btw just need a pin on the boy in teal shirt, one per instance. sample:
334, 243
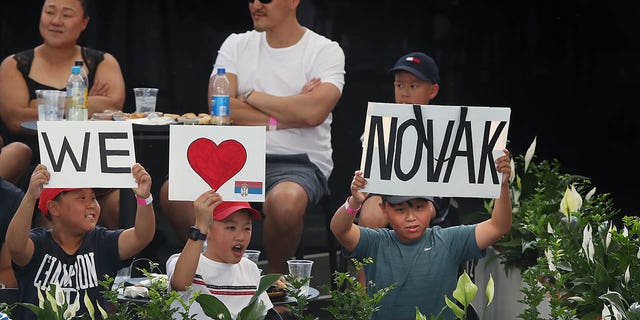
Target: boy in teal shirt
421, 262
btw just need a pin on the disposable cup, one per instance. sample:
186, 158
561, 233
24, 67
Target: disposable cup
145, 99
253, 255
301, 269
50, 104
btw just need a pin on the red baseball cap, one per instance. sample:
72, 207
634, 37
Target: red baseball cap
50, 194
227, 208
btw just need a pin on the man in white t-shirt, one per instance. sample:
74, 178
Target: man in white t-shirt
287, 78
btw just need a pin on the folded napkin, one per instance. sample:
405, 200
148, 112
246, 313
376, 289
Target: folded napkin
136, 292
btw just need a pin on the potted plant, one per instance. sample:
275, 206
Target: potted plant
566, 243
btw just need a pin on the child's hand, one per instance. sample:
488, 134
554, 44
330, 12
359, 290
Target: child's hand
203, 207
39, 177
503, 164
143, 179
357, 184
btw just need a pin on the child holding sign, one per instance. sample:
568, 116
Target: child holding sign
220, 269
416, 81
421, 261
74, 253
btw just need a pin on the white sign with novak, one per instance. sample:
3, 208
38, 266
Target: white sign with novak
433, 150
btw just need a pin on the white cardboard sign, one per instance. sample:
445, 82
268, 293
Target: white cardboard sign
424, 150
229, 159
87, 154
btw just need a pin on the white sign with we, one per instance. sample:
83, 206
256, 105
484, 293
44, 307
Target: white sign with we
87, 154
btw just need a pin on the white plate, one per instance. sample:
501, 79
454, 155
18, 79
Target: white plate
153, 121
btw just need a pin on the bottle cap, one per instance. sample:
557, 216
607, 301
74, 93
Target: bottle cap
75, 69
221, 71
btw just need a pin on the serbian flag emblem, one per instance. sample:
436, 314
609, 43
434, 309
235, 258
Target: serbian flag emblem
245, 188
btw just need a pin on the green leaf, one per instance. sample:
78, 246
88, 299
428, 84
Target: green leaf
255, 310
266, 281
419, 315
466, 290
33, 308
457, 311
213, 307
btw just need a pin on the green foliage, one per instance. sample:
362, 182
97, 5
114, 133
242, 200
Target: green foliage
564, 239
351, 300
464, 293
255, 310
294, 290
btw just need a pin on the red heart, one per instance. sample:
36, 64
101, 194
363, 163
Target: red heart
216, 164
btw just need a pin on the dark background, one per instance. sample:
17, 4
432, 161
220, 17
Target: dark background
567, 69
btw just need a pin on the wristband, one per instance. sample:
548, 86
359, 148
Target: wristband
143, 201
347, 207
273, 124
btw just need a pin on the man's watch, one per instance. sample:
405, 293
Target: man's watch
196, 235
246, 95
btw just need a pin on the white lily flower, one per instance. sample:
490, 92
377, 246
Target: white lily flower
571, 201
625, 233
616, 314
607, 240
627, 276
606, 314
72, 309
590, 194
40, 299
587, 243
102, 312
89, 306
549, 256
549, 228
61, 299
513, 170
529, 154
52, 300
638, 254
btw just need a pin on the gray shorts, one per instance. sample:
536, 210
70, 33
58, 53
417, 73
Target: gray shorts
299, 169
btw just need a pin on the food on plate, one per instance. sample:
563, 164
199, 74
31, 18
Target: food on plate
189, 115
172, 116
102, 116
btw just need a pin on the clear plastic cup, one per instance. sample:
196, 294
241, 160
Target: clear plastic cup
145, 99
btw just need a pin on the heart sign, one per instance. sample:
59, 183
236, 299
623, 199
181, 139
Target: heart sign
216, 164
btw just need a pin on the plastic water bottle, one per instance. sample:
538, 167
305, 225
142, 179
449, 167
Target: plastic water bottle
80, 63
220, 98
76, 96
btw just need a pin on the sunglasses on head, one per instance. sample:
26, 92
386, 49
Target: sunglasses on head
261, 1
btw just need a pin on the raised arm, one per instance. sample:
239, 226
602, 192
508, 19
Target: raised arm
108, 90
17, 239
489, 231
134, 239
188, 260
342, 226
